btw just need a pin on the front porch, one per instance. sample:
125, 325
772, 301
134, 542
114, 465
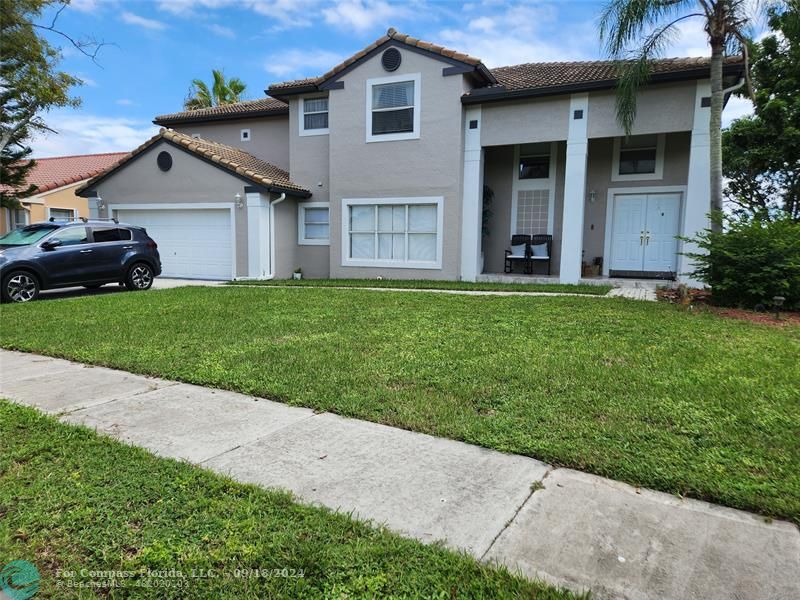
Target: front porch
613, 206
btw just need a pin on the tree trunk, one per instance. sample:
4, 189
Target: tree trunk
715, 132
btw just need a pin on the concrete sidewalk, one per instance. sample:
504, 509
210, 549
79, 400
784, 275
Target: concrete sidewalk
566, 527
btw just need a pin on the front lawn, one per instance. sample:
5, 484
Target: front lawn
642, 392
427, 284
79, 506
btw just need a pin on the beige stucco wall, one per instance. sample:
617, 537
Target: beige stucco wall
189, 181
61, 198
429, 166
269, 136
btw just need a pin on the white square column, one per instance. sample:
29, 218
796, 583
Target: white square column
257, 236
697, 204
574, 190
472, 201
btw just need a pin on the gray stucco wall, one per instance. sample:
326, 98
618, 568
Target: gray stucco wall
429, 166
525, 122
269, 136
190, 180
660, 107
313, 260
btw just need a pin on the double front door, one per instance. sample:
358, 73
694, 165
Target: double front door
643, 234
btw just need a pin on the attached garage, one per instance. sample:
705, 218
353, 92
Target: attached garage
194, 243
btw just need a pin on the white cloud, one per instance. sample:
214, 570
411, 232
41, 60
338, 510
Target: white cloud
362, 15
221, 30
90, 134
691, 40
85, 6
301, 63
133, 19
736, 108
126, 102
285, 13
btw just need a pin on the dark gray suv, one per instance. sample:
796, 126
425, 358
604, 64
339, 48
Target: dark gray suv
57, 254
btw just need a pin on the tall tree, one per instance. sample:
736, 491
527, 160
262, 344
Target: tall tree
640, 30
761, 153
221, 92
31, 85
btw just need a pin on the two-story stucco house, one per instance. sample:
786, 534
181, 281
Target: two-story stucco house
378, 167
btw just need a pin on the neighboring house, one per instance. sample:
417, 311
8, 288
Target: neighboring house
56, 180
377, 168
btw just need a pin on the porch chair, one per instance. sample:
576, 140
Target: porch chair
540, 247
520, 250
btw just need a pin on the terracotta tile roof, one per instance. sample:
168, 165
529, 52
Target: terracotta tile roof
227, 157
58, 171
556, 74
260, 107
391, 34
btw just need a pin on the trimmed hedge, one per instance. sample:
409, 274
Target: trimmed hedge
750, 261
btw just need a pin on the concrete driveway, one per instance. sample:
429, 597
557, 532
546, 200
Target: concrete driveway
161, 283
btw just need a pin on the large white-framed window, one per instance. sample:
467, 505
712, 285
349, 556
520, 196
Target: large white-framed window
313, 116
533, 188
313, 223
62, 214
638, 158
393, 108
403, 233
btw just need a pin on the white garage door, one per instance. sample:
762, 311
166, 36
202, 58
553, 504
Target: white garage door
193, 243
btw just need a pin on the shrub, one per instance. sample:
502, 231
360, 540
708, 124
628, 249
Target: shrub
750, 261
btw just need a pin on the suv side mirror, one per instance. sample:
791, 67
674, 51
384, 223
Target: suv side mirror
50, 244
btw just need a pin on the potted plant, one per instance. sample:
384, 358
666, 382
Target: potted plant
298, 273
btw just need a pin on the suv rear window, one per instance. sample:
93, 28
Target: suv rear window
111, 234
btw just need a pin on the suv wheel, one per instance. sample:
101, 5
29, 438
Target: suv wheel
20, 286
140, 277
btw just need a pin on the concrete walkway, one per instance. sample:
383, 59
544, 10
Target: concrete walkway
566, 527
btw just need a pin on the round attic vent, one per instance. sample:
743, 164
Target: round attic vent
391, 59
164, 161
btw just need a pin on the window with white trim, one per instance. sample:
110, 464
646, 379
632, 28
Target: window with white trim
393, 108
313, 223
314, 116
638, 157
19, 218
393, 233
244, 135
61, 214
533, 188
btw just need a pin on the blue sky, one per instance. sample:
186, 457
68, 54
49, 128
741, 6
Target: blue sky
158, 46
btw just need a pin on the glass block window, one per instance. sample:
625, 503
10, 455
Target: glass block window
533, 211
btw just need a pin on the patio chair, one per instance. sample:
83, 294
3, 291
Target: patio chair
519, 251
540, 247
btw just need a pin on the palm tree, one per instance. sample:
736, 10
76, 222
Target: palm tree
221, 92
639, 30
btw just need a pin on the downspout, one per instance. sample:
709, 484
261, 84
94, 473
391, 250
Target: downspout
272, 205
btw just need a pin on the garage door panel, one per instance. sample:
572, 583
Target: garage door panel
193, 243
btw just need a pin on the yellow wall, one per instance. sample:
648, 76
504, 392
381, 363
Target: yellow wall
62, 198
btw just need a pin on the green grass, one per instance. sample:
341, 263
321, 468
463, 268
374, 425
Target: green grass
647, 393
426, 284
71, 501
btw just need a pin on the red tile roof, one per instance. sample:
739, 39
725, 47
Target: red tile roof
228, 158
58, 171
248, 108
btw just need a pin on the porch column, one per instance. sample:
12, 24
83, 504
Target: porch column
574, 190
698, 187
472, 201
257, 236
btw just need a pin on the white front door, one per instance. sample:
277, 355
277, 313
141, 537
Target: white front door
193, 243
643, 232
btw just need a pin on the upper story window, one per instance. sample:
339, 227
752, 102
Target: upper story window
534, 161
244, 135
638, 157
313, 223
393, 108
313, 116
